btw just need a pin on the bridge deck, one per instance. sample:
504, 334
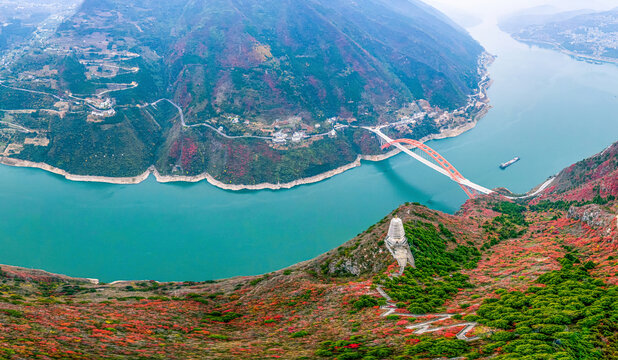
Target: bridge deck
428, 163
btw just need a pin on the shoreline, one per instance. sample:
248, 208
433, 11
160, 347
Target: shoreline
134, 180
559, 48
152, 170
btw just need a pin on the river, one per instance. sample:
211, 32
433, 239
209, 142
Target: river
549, 109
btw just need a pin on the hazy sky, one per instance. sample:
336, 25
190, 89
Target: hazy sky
495, 8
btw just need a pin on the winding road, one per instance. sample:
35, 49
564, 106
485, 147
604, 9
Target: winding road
18, 127
33, 92
426, 326
535, 193
128, 87
184, 124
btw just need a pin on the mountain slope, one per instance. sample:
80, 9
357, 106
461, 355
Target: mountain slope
498, 280
260, 58
193, 86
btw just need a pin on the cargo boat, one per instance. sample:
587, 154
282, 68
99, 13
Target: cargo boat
510, 162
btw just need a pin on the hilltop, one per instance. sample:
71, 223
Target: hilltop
246, 91
499, 280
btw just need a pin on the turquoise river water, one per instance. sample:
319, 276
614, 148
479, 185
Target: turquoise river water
548, 109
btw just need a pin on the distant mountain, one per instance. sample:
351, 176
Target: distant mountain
584, 34
245, 68
459, 16
537, 16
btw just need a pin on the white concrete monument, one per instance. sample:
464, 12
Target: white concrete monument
398, 246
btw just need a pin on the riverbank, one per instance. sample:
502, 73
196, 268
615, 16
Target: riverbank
445, 133
85, 178
152, 170
559, 48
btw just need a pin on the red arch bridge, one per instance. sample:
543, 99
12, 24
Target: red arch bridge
439, 163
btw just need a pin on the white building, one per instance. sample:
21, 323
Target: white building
104, 113
101, 104
280, 137
298, 136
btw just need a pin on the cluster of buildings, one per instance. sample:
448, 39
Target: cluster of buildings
103, 107
104, 113
594, 40
281, 137
101, 104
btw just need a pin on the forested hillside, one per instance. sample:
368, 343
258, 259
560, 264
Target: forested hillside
196, 87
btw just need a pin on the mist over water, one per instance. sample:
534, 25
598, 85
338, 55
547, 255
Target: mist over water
548, 109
